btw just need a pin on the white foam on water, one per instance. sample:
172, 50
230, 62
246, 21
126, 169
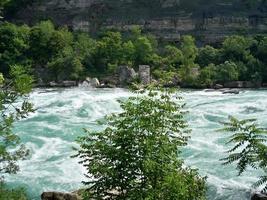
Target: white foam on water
63, 113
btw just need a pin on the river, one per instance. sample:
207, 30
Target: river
62, 114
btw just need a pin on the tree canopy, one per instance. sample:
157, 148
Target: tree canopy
137, 155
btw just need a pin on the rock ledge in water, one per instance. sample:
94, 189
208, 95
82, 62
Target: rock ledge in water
59, 196
233, 91
259, 196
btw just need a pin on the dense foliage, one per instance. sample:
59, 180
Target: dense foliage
137, 155
11, 91
12, 194
59, 54
249, 147
11, 150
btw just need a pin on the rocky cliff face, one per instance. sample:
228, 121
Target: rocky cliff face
208, 20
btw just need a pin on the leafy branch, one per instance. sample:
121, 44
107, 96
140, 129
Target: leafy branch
249, 147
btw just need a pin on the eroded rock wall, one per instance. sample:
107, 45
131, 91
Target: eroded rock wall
208, 20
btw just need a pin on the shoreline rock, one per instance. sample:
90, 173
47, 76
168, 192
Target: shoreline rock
144, 74
231, 91
242, 84
60, 196
126, 75
63, 84
259, 196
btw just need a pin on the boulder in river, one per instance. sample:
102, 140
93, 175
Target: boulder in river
88, 82
53, 84
259, 196
69, 83
234, 91
60, 196
95, 82
218, 86
88, 79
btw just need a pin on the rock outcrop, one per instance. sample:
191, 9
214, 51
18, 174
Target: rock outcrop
95, 82
126, 75
218, 86
233, 91
88, 82
144, 74
60, 196
62, 84
259, 196
208, 20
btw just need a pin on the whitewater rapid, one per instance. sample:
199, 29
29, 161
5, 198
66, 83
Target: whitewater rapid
62, 114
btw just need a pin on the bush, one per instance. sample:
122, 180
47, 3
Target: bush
12, 194
137, 155
207, 76
207, 55
227, 71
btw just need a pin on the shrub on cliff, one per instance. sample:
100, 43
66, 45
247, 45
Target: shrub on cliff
137, 155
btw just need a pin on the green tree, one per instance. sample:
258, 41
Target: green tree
249, 147
236, 48
109, 52
227, 71
207, 76
137, 155
144, 50
10, 92
66, 65
262, 49
145, 47
207, 55
254, 69
60, 39
129, 52
189, 70
173, 56
189, 50
40, 39
11, 150
84, 45
13, 45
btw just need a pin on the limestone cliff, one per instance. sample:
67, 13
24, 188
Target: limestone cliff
208, 20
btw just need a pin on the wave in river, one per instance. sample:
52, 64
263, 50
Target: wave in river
62, 114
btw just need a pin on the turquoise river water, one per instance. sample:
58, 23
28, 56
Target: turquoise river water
62, 114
